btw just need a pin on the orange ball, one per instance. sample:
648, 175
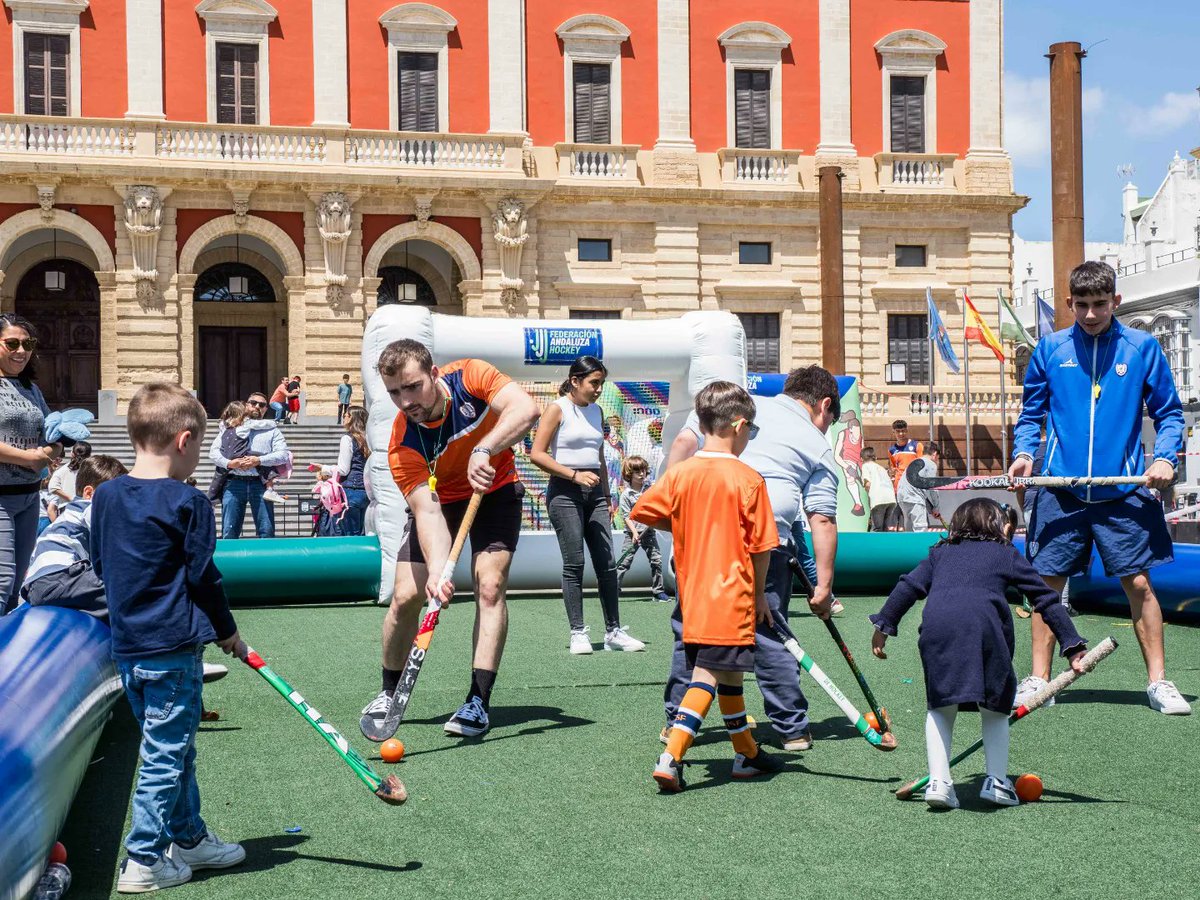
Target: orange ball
873, 721
1029, 788
391, 751
58, 853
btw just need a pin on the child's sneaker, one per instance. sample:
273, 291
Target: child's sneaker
210, 853
136, 878
753, 766
669, 774
798, 743
836, 608
471, 720
1165, 698
663, 598
581, 643
940, 795
618, 639
273, 496
1029, 686
999, 791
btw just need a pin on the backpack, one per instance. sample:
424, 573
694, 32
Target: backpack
333, 497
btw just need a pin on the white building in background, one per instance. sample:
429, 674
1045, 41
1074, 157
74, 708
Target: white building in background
1158, 269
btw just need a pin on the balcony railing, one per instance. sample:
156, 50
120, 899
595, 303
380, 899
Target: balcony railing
257, 144
1169, 259
955, 402
425, 150
919, 171
52, 135
607, 162
1131, 269
743, 166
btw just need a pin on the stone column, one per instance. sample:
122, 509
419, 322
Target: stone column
107, 401
143, 55
675, 159
988, 169
297, 299
506, 65
836, 146
185, 286
331, 94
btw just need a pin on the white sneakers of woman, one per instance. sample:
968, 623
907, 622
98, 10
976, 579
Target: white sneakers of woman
940, 795
618, 639
999, 791
1165, 698
581, 643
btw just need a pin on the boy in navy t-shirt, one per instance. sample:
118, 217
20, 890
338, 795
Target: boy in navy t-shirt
152, 545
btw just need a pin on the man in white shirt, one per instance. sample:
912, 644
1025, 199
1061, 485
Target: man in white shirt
880, 493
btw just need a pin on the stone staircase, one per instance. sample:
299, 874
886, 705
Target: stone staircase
308, 443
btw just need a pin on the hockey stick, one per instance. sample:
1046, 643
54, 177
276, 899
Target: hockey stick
390, 789
381, 731
1067, 678
881, 714
1004, 482
874, 738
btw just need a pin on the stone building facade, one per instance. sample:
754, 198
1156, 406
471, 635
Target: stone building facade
221, 193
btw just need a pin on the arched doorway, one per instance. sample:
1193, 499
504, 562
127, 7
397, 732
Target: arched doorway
232, 356
61, 297
403, 285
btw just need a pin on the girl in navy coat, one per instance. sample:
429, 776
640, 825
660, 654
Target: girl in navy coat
966, 640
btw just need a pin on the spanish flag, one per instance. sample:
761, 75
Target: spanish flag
977, 330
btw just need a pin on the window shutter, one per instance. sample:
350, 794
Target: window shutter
418, 92
237, 84
226, 84
248, 84
762, 341
592, 103
59, 50
908, 114
47, 75
752, 108
35, 74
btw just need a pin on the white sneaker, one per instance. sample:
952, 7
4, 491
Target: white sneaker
618, 639
214, 672
210, 853
999, 791
836, 608
940, 795
167, 872
669, 774
580, 642
1165, 698
377, 708
1029, 686
274, 497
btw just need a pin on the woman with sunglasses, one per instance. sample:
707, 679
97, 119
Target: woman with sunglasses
24, 453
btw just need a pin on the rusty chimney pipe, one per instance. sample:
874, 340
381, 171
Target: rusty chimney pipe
1066, 169
833, 289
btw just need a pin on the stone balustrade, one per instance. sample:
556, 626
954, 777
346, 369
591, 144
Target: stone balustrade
606, 162
921, 171
743, 166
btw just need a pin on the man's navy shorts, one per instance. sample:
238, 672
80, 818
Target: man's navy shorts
1130, 533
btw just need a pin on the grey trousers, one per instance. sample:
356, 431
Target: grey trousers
581, 516
648, 542
18, 533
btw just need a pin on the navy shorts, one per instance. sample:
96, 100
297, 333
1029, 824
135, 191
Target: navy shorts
719, 658
1130, 534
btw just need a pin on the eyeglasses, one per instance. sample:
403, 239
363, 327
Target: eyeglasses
750, 426
255, 403
15, 344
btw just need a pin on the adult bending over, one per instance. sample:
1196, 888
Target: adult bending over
569, 446
454, 437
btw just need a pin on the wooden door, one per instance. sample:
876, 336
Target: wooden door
233, 364
67, 320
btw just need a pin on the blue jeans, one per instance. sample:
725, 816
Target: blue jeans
803, 554
280, 411
356, 510
164, 691
238, 493
776, 670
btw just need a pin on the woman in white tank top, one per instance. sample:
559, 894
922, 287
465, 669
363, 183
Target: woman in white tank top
569, 447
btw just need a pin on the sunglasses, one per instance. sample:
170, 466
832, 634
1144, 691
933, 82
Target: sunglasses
15, 344
750, 426
255, 403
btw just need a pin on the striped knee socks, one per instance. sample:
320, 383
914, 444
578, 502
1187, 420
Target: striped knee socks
733, 710
689, 718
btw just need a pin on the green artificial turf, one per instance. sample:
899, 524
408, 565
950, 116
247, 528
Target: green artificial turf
557, 801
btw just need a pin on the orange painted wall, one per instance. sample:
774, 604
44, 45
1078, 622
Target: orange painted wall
801, 70
467, 63
871, 20
102, 60
184, 77
6, 61
639, 67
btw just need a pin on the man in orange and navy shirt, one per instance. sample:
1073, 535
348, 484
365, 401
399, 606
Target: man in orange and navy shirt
904, 452
453, 438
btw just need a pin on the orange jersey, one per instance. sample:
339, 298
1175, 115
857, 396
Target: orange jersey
902, 456
442, 448
718, 512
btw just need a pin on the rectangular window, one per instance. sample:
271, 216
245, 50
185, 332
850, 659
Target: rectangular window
237, 84
754, 253
595, 250
592, 106
910, 256
752, 108
418, 74
762, 341
908, 114
595, 314
47, 74
908, 343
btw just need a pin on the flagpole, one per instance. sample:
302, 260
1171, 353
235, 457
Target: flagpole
1003, 378
930, 343
967, 388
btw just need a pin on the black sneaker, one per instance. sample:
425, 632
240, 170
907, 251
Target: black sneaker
751, 767
471, 720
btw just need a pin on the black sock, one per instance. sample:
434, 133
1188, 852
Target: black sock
481, 685
391, 678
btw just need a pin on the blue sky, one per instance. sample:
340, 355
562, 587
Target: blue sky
1139, 99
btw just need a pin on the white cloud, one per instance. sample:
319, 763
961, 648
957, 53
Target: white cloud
1027, 119
1173, 111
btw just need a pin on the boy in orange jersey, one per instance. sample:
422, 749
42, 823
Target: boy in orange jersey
717, 510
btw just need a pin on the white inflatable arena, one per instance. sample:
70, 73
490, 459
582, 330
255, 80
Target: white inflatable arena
655, 366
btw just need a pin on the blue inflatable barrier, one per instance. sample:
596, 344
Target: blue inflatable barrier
57, 686
1177, 585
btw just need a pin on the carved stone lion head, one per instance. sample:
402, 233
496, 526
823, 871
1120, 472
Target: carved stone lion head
141, 200
511, 210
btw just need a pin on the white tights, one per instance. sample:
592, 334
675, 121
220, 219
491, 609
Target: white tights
939, 730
